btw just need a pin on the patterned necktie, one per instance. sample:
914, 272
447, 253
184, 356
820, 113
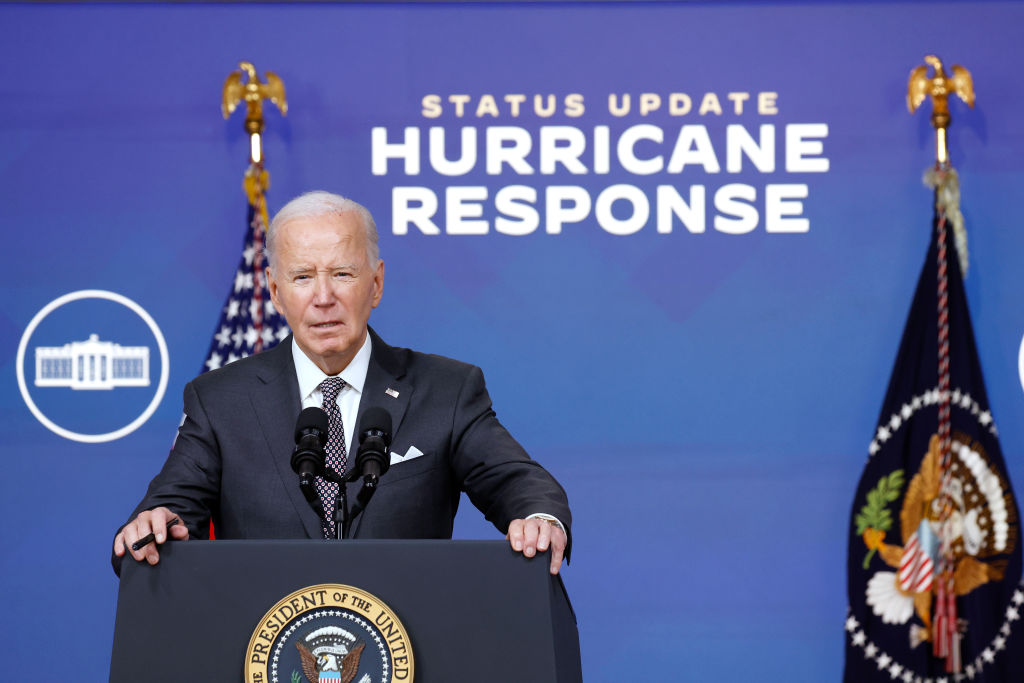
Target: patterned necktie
337, 456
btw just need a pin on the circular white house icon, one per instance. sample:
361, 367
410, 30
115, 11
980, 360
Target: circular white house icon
92, 364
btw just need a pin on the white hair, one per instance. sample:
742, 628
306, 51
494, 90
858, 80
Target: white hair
317, 204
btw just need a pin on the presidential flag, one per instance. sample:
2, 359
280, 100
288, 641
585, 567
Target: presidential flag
248, 323
934, 575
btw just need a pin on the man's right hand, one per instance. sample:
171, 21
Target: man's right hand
150, 521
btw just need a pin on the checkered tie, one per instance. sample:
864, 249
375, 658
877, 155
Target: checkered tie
337, 456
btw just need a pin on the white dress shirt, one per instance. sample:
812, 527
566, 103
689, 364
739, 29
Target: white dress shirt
354, 374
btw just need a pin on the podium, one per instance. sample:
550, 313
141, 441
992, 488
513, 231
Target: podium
472, 610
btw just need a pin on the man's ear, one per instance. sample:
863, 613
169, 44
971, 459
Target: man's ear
272, 288
378, 282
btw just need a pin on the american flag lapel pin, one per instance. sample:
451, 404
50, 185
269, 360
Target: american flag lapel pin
391, 392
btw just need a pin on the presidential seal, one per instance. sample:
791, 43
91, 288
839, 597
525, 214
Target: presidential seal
329, 633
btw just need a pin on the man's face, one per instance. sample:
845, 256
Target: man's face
323, 283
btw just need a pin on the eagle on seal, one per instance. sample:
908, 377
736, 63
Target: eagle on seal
312, 666
982, 520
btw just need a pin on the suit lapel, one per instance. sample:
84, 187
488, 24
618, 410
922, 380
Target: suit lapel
384, 388
277, 404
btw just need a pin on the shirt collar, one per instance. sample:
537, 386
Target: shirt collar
310, 376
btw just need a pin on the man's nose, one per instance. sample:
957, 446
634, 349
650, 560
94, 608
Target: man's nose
323, 292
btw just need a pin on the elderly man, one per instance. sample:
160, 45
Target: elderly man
231, 459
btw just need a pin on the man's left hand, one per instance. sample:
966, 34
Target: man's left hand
530, 536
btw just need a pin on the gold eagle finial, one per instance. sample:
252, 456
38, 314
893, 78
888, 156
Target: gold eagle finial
253, 92
939, 87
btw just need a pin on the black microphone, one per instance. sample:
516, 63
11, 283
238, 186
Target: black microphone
308, 458
373, 459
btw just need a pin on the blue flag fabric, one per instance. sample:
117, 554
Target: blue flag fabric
895, 535
248, 323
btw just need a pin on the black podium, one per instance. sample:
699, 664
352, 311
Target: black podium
473, 610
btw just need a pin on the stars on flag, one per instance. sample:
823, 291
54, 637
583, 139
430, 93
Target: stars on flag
223, 337
897, 671
249, 322
251, 336
237, 340
214, 361
269, 337
959, 399
242, 281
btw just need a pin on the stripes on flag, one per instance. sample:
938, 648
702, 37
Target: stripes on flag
916, 567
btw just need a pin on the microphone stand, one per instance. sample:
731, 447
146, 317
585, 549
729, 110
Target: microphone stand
342, 518
342, 515
366, 492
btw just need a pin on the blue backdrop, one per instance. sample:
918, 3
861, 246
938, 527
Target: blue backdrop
706, 396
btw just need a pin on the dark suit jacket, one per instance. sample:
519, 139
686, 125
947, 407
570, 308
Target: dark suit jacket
231, 459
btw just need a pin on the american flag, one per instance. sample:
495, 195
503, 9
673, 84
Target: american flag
248, 323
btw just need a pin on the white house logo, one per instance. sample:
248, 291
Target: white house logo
92, 365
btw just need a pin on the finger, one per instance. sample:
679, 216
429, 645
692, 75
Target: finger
543, 536
515, 535
558, 543
119, 544
152, 553
556, 561
179, 532
530, 532
128, 537
161, 518
133, 532
159, 524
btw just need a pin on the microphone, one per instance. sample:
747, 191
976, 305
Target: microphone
308, 458
372, 459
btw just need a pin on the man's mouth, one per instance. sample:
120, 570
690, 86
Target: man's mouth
326, 326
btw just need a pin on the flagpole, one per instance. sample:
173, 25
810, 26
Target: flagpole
946, 626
